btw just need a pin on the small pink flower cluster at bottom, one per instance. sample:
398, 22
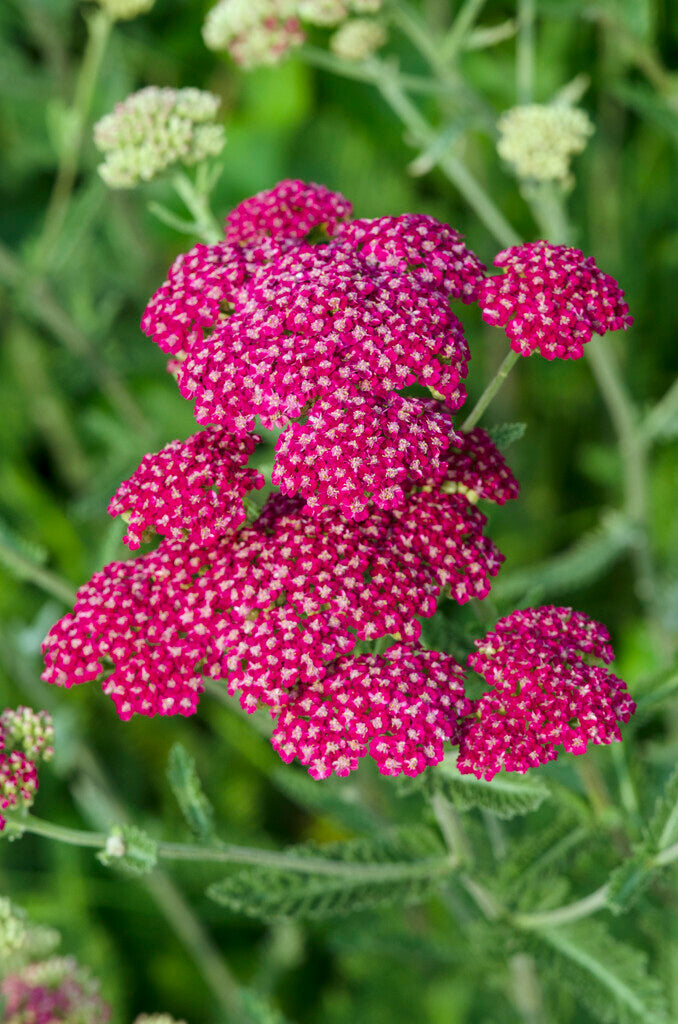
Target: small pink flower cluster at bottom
52, 991
25, 738
544, 693
400, 707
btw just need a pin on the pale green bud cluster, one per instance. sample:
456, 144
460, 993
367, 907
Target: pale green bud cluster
154, 129
28, 730
539, 141
124, 10
358, 38
13, 930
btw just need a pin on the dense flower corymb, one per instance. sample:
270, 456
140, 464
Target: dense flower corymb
276, 603
539, 140
50, 992
551, 299
354, 452
291, 210
192, 488
545, 692
400, 707
254, 32
155, 128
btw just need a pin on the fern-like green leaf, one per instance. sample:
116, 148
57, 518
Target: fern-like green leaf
186, 786
607, 976
590, 557
662, 829
395, 869
506, 434
506, 795
629, 881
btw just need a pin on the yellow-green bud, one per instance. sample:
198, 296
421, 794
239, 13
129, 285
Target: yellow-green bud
539, 140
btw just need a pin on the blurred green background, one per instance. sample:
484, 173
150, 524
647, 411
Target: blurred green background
83, 395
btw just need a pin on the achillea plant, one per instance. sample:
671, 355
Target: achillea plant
315, 323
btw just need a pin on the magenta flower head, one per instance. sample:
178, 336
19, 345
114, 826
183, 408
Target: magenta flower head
53, 991
362, 450
191, 489
400, 707
290, 210
299, 307
26, 738
545, 692
551, 299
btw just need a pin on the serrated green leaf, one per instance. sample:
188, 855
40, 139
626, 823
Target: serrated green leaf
506, 795
662, 829
187, 788
130, 849
586, 560
607, 976
393, 870
628, 882
506, 434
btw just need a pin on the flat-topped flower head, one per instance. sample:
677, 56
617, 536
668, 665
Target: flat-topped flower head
551, 299
271, 606
154, 129
400, 707
539, 140
293, 209
358, 38
192, 489
420, 247
53, 991
362, 451
253, 32
26, 737
546, 691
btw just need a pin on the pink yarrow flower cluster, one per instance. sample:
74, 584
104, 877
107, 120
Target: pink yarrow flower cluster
273, 606
400, 707
52, 991
191, 489
551, 299
26, 738
545, 692
299, 308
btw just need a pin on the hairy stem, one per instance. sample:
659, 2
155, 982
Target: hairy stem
491, 390
26, 569
197, 203
525, 51
99, 26
232, 854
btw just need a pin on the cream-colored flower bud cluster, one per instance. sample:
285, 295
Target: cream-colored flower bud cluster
154, 129
124, 10
539, 140
358, 38
32, 731
256, 32
13, 931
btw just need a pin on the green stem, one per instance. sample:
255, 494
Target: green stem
461, 26
38, 304
366, 71
99, 26
492, 388
197, 203
232, 854
424, 136
525, 51
26, 569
